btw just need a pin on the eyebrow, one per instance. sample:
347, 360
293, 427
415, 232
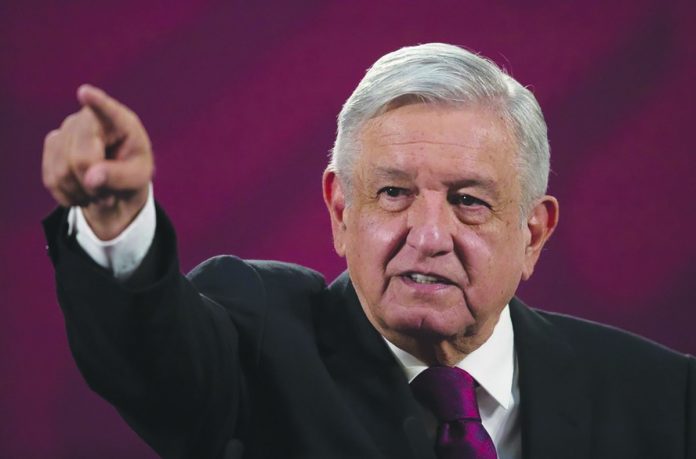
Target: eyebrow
475, 182
391, 173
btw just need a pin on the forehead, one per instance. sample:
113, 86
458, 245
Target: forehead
450, 141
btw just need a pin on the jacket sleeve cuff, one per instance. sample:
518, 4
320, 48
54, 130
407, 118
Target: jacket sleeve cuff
122, 255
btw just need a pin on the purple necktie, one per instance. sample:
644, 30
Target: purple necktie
451, 396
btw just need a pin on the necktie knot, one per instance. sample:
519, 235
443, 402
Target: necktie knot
450, 393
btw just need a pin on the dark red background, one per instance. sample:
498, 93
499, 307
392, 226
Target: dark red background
240, 100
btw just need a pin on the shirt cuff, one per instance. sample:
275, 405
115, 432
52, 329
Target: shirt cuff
123, 254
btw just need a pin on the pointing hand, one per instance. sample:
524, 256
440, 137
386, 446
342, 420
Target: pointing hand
101, 159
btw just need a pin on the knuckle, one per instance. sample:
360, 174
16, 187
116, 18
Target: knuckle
45, 169
60, 198
88, 115
51, 138
70, 119
52, 183
90, 150
61, 171
48, 180
131, 117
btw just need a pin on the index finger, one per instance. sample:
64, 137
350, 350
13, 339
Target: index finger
111, 113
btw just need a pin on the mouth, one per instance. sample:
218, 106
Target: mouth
426, 279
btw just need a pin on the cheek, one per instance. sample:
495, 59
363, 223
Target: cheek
376, 237
475, 250
492, 263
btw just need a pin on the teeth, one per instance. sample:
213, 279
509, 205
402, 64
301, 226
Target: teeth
423, 279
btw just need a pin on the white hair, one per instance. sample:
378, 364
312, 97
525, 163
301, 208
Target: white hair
438, 73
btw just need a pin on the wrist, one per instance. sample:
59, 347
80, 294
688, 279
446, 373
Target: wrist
110, 216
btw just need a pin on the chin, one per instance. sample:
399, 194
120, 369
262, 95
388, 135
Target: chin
426, 322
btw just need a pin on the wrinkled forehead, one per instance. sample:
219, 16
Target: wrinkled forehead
490, 110
476, 131
443, 148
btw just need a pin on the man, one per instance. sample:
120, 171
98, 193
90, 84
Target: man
436, 193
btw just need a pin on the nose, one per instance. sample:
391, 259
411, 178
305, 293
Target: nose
430, 224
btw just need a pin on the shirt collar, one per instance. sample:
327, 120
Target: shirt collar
492, 365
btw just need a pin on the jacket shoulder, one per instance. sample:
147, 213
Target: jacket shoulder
624, 364
606, 353
606, 342
224, 272
623, 380
258, 287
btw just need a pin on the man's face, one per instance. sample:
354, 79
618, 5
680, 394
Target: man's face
432, 235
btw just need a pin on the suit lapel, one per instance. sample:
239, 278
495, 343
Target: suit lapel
368, 375
554, 404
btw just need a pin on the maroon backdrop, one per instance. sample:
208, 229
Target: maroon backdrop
240, 100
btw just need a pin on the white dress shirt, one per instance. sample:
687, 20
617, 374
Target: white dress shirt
493, 365
123, 254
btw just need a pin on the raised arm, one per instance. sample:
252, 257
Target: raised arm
161, 350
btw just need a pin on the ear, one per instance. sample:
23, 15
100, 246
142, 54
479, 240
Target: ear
541, 223
335, 199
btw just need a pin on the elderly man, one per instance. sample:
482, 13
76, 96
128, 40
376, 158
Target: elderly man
436, 193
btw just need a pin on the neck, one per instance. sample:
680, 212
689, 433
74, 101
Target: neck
438, 351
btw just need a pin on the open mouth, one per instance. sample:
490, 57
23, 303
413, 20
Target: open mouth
420, 278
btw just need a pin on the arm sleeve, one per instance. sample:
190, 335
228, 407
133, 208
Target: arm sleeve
164, 351
122, 255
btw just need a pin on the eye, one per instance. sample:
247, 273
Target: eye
393, 191
466, 200
394, 198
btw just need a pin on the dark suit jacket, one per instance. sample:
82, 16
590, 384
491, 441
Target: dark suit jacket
262, 359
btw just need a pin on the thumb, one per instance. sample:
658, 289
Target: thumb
117, 175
